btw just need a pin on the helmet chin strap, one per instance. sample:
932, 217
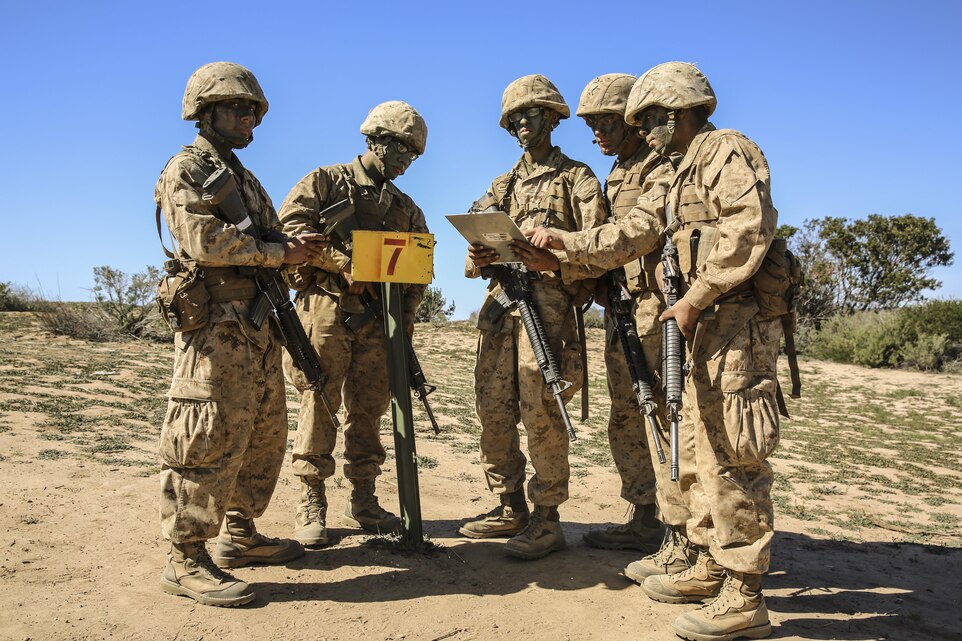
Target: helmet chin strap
669, 133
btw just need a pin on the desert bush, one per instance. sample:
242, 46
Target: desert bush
123, 308
935, 317
127, 300
926, 352
872, 339
886, 338
434, 308
77, 320
14, 298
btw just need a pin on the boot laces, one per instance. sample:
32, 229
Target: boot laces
206, 564
663, 555
535, 520
723, 602
313, 511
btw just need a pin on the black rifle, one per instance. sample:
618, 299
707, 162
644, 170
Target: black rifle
672, 341
619, 302
220, 189
515, 281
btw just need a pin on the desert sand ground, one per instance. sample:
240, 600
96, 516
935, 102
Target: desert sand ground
868, 513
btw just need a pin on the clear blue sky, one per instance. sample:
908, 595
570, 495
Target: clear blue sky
855, 104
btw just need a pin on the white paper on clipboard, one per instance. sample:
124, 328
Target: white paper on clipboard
491, 229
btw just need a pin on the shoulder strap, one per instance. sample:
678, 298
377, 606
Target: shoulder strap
161, 237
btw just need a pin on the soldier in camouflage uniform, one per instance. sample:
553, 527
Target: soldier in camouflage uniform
355, 361
723, 226
632, 238
545, 187
602, 107
225, 432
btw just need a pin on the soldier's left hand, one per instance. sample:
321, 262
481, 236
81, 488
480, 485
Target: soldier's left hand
545, 237
685, 314
409, 325
536, 260
303, 248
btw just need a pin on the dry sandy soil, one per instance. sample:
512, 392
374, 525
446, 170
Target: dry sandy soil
869, 511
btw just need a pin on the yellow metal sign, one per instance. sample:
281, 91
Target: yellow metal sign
392, 257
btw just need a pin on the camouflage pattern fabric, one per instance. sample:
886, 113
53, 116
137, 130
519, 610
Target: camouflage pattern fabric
721, 189
355, 364
508, 384
397, 119
225, 432
634, 235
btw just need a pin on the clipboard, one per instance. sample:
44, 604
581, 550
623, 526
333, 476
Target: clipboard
491, 229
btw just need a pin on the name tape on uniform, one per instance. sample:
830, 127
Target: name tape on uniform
392, 257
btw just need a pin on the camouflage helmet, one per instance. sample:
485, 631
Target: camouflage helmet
218, 81
397, 119
532, 91
607, 94
673, 85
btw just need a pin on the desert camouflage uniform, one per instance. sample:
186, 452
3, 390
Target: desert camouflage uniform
509, 387
634, 240
356, 362
225, 432
720, 192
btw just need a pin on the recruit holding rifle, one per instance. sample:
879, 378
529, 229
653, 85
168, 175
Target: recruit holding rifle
220, 189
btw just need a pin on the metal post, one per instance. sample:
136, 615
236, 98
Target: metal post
404, 449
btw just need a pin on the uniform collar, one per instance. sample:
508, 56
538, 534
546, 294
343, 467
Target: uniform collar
551, 163
364, 180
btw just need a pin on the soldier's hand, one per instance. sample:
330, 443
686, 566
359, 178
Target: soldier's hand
303, 248
409, 325
545, 237
536, 260
358, 288
482, 255
686, 315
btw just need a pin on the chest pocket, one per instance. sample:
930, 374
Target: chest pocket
398, 217
551, 207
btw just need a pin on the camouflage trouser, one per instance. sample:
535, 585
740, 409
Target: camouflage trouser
356, 364
509, 388
224, 437
643, 479
736, 429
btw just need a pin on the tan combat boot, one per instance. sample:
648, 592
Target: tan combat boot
365, 512
239, 543
642, 532
540, 537
739, 611
191, 572
310, 522
675, 555
507, 519
701, 581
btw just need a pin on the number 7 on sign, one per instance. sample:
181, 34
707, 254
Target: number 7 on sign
398, 244
392, 257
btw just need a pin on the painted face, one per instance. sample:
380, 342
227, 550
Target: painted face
528, 125
234, 120
610, 131
395, 157
653, 126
